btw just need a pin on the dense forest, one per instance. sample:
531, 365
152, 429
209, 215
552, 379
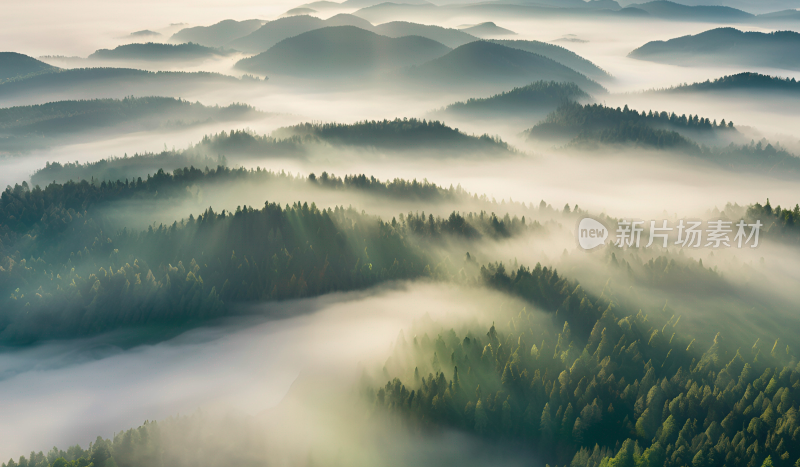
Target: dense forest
65, 264
605, 390
587, 127
398, 134
159, 52
26, 127
535, 98
740, 82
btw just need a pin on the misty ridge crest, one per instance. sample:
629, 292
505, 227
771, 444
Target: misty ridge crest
342, 51
777, 49
157, 51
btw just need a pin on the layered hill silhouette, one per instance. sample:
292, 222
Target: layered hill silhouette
560, 54
342, 51
487, 30
396, 135
592, 126
535, 99
450, 37
93, 83
273, 32
493, 65
747, 82
219, 34
665, 9
726, 46
152, 51
14, 66
35, 126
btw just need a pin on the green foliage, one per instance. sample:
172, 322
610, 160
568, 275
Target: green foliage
398, 134
747, 81
602, 390
159, 51
67, 271
535, 97
34, 126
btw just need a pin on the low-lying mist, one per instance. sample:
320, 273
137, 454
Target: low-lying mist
67, 392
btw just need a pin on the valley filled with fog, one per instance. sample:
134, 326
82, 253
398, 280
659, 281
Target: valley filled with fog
274, 233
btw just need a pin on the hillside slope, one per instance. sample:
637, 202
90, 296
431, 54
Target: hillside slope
342, 51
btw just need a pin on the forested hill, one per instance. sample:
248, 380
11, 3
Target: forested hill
594, 125
18, 66
746, 82
27, 127
397, 135
484, 64
219, 34
612, 388
342, 51
572, 119
561, 55
152, 51
65, 266
726, 46
535, 98
92, 83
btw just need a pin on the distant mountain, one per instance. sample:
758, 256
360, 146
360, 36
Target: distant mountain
779, 16
589, 127
275, 31
342, 51
391, 11
487, 30
368, 3
93, 83
300, 11
217, 35
726, 46
748, 82
490, 66
560, 54
152, 51
670, 10
14, 66
29, 127
145, 33
750, 6
399, 135
450, 37
536, 99
322, 5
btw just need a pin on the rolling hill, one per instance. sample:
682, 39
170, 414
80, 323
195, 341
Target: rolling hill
275, 31
152, 51
450, 37
36, 126
535, 99
726, 46
559, 54
15, 66
487, 30
749, 82
219, 34
94, 83
342, 51
493, 65
665, 9
399, 135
